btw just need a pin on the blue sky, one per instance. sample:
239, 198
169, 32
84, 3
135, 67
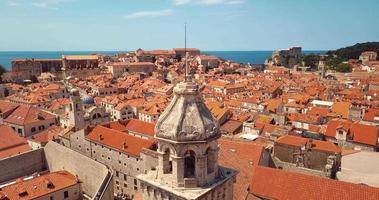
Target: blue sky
212, 24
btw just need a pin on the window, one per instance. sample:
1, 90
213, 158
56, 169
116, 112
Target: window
117, 183
135, 188
33, 129
135, 181
116, 173
167, 163
125, 185
19, 130
125, 177
51, 198
189, 164
65, 194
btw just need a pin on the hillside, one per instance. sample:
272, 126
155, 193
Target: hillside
353, 52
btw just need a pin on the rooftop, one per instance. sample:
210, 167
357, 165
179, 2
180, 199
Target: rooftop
38, 186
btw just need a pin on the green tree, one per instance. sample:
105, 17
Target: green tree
2, 71
311, 60
333, 62
343, 67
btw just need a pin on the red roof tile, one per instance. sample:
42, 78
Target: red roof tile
119, 140
10, 143
242, 156
316, 144
141, 127
280, 184
38, 186
361, 133
24, 115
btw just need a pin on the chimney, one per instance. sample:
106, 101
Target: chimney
124, 145
101, 137
309, 144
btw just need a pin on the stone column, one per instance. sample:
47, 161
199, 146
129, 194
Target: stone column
178, 170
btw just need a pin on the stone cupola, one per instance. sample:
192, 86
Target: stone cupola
187, 118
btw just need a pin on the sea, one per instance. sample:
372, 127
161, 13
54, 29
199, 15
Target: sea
252, 57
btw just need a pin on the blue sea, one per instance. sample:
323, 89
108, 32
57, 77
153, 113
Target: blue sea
253, 57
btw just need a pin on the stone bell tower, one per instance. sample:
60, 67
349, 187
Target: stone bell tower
187, 136
188, 166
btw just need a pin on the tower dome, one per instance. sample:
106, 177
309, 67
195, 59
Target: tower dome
87, 100
187, 118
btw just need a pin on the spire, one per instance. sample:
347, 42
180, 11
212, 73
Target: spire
187, 76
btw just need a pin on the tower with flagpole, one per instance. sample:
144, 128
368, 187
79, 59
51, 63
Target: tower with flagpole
187, 135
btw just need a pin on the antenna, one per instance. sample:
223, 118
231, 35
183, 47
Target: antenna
185, 53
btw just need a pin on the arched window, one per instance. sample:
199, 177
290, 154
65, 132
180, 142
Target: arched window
167, 163
189, 164
210, 160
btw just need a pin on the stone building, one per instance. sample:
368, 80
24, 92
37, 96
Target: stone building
28, 120
54, 172
368, 56
118, 149
288, 57
316, 155
55, 185
188, 166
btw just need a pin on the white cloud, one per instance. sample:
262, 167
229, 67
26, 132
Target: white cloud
207, 2
54, 4
14, 3
149, 13
235, 2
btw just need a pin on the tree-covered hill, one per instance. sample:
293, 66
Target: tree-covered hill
353, 52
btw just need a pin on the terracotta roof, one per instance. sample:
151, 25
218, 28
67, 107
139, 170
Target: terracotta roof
6, 107
264, 119
39, 186
51, 133
24, 115
280, 184
241, 156
370, 115
82, 57
10, 143
144, 128
305, 118
342, 108
273, 105
183, 49
119, 140
361, 133
231, 126
318, 111
316, 144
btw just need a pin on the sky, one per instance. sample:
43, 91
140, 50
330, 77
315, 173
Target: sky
66, 25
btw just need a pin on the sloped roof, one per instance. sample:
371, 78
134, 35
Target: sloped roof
361, 133
38, 186
242, 156
10, 143
119, 140
280, 184
141, 127
24, 115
